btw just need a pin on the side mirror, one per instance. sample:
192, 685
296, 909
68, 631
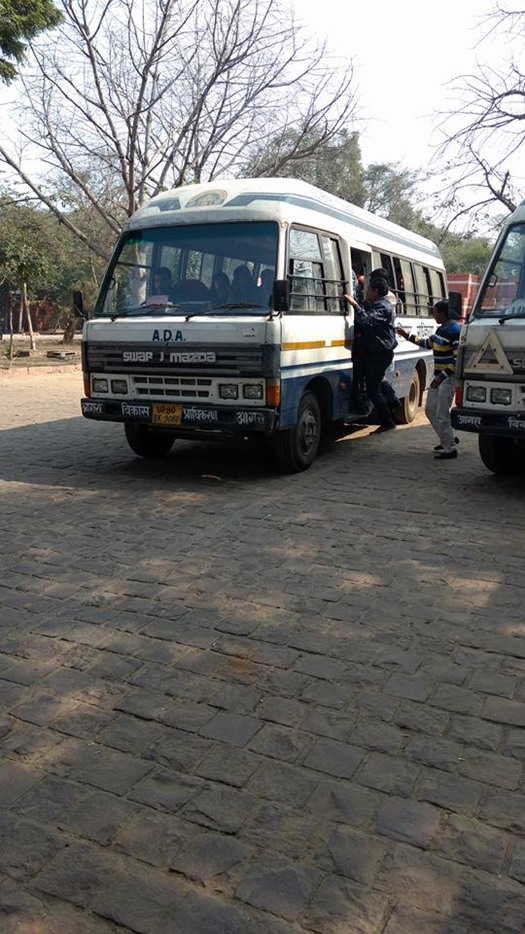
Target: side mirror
455, 302
281, 295
78, 304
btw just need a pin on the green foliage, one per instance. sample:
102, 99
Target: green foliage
466, 254
20, 21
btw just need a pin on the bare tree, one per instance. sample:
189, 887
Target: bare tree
132, 97
484, 135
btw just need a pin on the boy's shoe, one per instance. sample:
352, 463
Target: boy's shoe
445, 455
439, 447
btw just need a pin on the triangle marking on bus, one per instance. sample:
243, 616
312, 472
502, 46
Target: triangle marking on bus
490, 357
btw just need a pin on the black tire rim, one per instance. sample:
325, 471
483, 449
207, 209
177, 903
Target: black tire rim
307, 431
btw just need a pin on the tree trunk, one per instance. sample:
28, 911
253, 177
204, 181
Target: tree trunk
10, 325
70, 328
27, 313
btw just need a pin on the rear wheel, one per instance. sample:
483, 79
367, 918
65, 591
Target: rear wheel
407, 411
501, 455
295, 448
147, 442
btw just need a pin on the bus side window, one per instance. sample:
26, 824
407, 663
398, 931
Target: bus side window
334, 285
399, 284
409, 287
306, 272
422, 296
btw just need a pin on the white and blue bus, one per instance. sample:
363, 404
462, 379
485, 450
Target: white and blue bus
221, 314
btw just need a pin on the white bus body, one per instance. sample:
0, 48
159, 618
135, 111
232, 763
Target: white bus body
491, 362
186, 364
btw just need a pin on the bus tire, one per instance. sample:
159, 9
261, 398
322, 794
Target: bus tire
295, 448
146, 442
500, 455
407, 411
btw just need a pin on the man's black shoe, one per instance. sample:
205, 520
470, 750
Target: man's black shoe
439, 447
445, 455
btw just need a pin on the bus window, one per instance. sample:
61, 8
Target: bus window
306, 272
436, 287
422, 296
410, 292
335, 284
399, 286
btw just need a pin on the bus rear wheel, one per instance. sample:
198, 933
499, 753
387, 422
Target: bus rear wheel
407, 411
146, 442
501, 455
295, 448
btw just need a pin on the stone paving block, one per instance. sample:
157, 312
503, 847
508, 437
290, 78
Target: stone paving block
492, 682
278, 742
449, 791
11, 694
231, 728
390, 774
154, 837
187, 715
83, 721
491, 768
408, 821
26, 671
338, 759
166, 790
378, 705
15, 781
98, 817
342, 802
140, 898
517, 866
177, 749
435, 752
458, 700
208, 855
417, 687
352, 854
239, 698
229, 765
282, 710
283, 783
130, 734
144, 704
27, 743
340, 902
504, 809
514, 743
332, 724
52, 797
219, 808
201, 914
282, 830
405, 919
505, 711
472, 842
326, 694
25, 847
283, 891
477, 732
378, 736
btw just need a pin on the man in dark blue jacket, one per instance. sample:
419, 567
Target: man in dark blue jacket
376, 324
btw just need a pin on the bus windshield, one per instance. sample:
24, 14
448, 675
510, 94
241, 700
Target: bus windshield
224, 268
503, 294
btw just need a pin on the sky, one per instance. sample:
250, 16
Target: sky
405, 52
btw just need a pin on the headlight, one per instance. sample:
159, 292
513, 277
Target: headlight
501, 396
119, 386
252, 391
228, 391
476, 394
100, 385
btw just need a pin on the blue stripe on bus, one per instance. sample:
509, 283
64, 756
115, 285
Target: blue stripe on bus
303, 201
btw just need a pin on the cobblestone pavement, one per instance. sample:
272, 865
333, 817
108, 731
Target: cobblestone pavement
239, 703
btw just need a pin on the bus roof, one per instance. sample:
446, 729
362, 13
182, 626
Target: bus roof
280, 199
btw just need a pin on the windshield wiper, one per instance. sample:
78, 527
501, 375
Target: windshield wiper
230, 306
518, 314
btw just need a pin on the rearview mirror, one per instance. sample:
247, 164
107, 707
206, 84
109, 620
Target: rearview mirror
78, 303
455, 303
281, 295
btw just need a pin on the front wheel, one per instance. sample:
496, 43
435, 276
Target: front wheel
407, 411
295, 448
500, 455
146, 442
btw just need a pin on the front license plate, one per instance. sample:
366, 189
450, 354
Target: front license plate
165, 414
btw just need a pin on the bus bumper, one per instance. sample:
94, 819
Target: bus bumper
483, 422
184, 420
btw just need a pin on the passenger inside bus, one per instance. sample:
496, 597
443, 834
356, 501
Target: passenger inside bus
161, 286
220, 289
243, 287
266, 286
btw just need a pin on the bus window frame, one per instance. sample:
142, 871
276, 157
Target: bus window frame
326, 312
